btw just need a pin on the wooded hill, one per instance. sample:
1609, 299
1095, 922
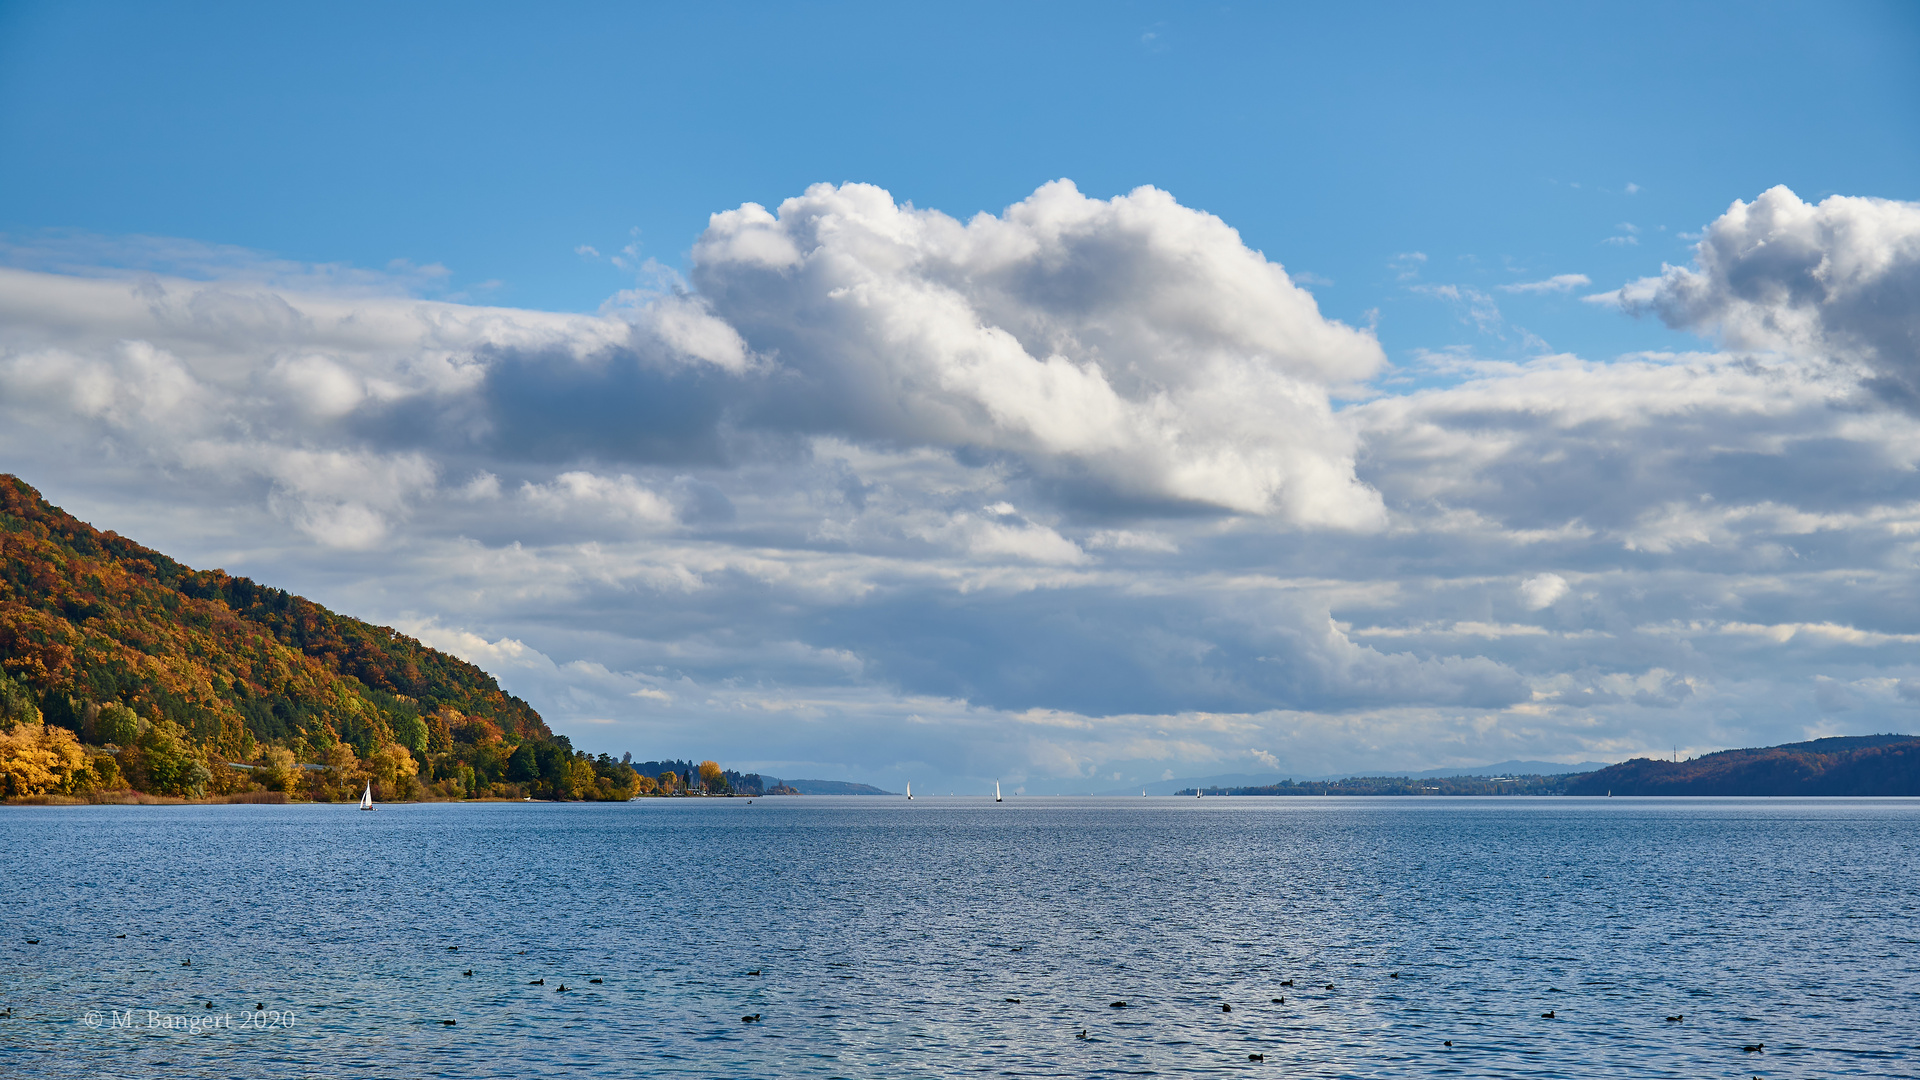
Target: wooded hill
1856, 765
161, 675
1848, 765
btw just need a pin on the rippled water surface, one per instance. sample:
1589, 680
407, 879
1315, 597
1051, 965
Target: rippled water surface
887, 938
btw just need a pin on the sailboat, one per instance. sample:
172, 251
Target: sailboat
996, 791
366, 797
909, 791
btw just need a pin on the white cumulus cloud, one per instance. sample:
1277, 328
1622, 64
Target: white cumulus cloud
1133, 342
1835, 280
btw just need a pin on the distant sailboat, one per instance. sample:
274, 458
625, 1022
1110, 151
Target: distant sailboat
909, 791
366, 797
996, 791
1196, 793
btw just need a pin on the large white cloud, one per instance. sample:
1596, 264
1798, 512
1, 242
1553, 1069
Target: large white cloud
1133, 341
1837, 280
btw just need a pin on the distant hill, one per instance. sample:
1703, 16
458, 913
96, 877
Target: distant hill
1228, 781
828, 787
188, 672
1856, 765
1401, 785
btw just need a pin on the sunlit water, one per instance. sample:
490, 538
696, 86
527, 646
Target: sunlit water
888, 936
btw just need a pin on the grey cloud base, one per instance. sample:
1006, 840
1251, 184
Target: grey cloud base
1057, 493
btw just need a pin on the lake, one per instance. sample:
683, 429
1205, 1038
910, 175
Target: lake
888, 938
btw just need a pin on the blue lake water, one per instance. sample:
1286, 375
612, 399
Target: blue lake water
888, 936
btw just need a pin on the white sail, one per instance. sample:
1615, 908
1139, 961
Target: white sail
366, 797
996, 791
909, 791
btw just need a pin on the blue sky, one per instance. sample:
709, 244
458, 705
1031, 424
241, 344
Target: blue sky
493, 140
688, 506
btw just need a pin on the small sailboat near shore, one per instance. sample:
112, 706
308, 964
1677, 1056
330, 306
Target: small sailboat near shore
996, 791
366, 797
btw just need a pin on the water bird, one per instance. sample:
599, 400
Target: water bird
1286, 982
596, 980
1224, 1007
1278, 1001
1755, 1048
1256, 1057
33, 941
1675, 1019
541, 981
1019, 948
1082, 1035
186, 963
1118, 1005
209, 1004
467, 973
448, 1023
119, 935
1329, 986
453, 948
755, 971
561, 989
1449, 1042
257, 1007
754, 1019
1546, 1016
1393, 975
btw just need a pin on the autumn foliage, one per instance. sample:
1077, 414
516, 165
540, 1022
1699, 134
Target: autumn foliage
112, 652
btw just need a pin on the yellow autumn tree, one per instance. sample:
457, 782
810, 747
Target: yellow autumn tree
394, 769
41, 759
713, 777
581, 781
277, 769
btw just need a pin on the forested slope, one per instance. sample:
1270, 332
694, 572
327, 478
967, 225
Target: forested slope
164, 675
1848, 765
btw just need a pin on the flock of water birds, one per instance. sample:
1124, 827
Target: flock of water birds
1083, 1033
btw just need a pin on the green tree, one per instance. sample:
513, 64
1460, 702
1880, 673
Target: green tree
523, 767
411, 732
116, 724
166, 762
16, 704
